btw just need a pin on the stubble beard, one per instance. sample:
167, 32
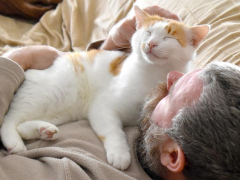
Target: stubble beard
151, 136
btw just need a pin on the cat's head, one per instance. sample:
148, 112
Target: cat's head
163, 41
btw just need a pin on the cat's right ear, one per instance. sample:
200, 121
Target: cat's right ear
199, 33
140, 16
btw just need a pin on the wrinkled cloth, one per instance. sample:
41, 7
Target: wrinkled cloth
70, 27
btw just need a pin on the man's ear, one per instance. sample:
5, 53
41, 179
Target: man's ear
172, 77
172, 156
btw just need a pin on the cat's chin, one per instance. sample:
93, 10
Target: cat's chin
151, 55
153, 59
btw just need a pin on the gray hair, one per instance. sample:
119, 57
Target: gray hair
208, 131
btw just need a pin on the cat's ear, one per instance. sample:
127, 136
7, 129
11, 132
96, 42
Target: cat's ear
199, 33
140, 16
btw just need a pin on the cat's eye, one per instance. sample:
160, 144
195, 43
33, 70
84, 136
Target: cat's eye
149, 33
165, 38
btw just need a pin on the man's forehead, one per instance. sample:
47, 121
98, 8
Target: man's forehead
180, 79
188, 87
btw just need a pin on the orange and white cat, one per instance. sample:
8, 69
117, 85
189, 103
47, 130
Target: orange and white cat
107, 87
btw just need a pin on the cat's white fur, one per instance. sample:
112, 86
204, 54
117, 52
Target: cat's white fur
59, 94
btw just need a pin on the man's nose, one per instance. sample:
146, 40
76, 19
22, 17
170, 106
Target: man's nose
172, 77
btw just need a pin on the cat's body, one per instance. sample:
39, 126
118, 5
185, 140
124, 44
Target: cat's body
106, 87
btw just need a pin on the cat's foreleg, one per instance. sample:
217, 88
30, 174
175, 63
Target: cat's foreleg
11, 139
108, 127
37, 129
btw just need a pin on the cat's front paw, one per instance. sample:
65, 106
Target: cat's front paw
120, 160
49, 132
19, 147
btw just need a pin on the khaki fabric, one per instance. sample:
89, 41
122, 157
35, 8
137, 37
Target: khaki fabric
15, 77
71, 26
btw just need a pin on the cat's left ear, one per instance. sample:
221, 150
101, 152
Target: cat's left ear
199, 33
140, 16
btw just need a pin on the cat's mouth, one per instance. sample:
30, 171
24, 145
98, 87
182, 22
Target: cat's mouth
151, 54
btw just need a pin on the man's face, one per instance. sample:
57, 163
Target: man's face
161, 107
182, 91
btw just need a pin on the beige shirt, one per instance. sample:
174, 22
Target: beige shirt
77, 154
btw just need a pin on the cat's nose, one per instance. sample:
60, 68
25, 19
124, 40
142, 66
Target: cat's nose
152, 45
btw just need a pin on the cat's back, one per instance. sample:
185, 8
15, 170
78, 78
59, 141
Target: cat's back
97, 67
76, 73
94, 64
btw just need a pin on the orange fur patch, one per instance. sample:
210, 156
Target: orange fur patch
91, 55
116, 65
176, 30
151, 20
75, 59
102, 138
